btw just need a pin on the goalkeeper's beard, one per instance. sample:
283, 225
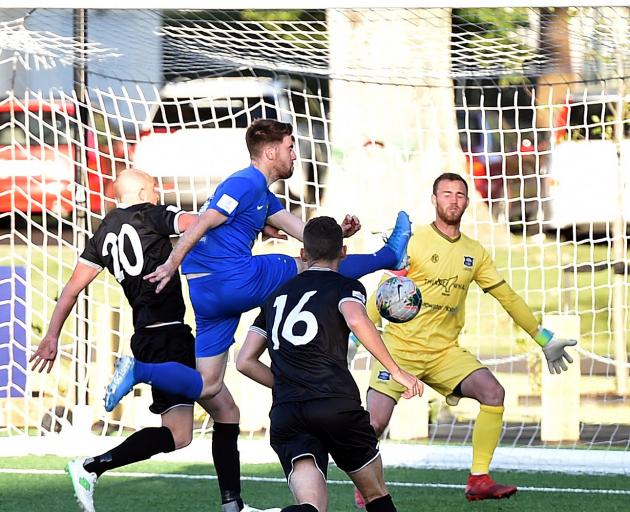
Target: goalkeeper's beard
451, 218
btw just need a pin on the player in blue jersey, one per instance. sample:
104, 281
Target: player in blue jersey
226, 280
141, 230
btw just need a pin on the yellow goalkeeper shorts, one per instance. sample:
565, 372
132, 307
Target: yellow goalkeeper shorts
443, 371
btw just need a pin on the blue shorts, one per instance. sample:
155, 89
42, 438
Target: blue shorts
219, 298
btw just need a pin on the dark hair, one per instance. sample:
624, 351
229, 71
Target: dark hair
265, 131
448, 176
323, 239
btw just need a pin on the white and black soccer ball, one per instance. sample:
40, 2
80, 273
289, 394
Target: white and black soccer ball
398, 299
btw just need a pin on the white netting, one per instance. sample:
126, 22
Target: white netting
38, 49
531, 104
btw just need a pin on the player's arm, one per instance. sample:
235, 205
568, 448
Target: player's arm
287, 222
356, 317
375, 318
350, 225
44, 357
209, 219
553, 347
248, 360
269, 231
490, 281
294, 226
372, 312
185, 220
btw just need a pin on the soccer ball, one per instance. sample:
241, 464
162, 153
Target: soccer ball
398, 299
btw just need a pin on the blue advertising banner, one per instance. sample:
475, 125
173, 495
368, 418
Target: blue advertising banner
12, 331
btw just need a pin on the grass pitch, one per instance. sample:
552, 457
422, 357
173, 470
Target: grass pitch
34, 484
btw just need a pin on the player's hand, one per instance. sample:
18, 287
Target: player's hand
350, 225
413, 384
45, 355
270, 232
556, 354
162, 275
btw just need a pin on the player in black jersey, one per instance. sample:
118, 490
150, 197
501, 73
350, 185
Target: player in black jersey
132, 241
316, 407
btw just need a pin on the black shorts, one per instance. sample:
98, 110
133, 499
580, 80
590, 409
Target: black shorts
336, 426
160, 345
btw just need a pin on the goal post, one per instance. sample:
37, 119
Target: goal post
531, 104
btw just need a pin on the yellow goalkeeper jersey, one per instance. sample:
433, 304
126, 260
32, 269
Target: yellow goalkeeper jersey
443, 269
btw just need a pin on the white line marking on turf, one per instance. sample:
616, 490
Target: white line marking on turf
128, 474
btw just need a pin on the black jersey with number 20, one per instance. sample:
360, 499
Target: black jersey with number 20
307, 336
131, 242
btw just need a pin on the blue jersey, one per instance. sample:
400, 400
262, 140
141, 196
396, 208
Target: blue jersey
247, 202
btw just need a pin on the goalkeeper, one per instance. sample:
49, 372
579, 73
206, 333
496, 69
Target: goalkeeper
443, 262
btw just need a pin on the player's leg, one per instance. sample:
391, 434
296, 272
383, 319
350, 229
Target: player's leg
267, 272
167, 343
384, 392
344, 427
218, 301
302, 454
175, 344
382, 396
371, 484
225, 455
217, 313
226, 417
392, 256
457, 373
175, 432
482, 386
308, 487
381, 408
170, 374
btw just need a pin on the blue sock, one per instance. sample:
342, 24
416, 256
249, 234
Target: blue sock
174, 378
359, 265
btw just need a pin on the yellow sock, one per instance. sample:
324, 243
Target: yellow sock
485, 437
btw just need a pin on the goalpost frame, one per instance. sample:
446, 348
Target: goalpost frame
305, 4
376, 150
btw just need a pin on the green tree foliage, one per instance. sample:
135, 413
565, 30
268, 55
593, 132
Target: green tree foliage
494, 41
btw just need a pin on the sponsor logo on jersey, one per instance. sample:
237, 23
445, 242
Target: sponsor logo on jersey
260, 206
435, 258
448, 284
468, 261
227, 203
383, 375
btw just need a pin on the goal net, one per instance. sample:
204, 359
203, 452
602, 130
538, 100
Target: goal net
531, 105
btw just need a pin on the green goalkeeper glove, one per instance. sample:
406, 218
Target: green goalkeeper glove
554, 350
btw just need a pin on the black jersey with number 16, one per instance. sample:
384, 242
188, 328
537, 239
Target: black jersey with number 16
131, 242
307, 336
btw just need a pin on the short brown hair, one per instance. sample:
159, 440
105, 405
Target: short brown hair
265, 131
323, 239
448, 176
